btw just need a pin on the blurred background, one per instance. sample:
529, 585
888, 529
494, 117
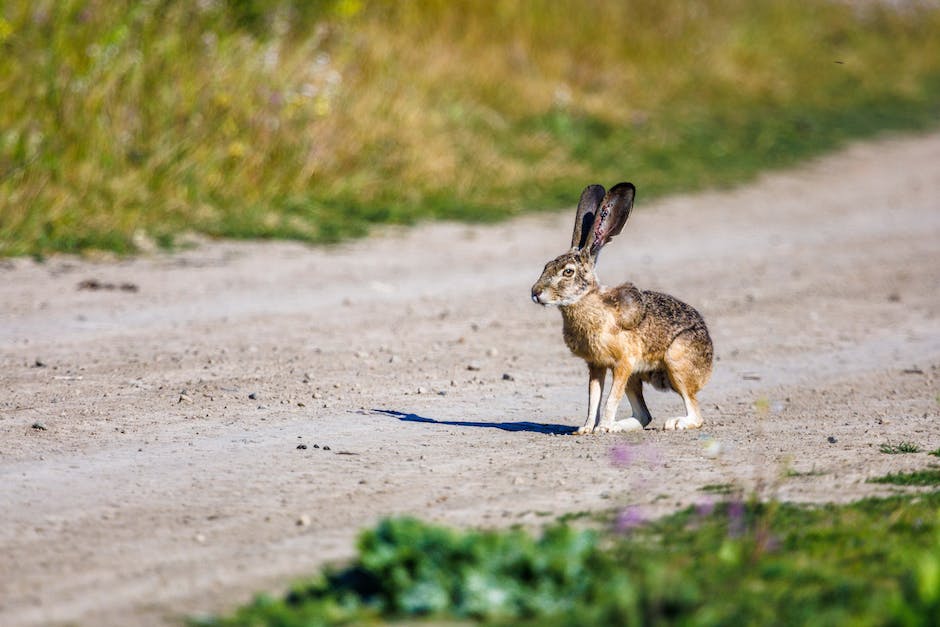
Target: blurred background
126, 126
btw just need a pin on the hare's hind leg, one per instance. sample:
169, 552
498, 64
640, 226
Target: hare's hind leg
692, 419
688, 367
635, 395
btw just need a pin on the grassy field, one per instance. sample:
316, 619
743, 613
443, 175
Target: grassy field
125, 125
874, 562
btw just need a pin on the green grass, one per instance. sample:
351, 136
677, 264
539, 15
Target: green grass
718, 488
935, 453
792, 472
930, 476
874, 562
900, 447
126, 124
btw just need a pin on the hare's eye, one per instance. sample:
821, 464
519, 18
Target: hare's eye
568, 272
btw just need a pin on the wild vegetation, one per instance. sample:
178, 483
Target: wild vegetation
874, 562
126, 124
890, 448
926, 477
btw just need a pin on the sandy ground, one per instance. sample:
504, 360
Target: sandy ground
150, 441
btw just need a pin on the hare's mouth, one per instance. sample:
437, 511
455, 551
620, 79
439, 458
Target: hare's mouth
537, 299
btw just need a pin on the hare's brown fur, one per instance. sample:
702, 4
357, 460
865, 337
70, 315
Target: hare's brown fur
641, 336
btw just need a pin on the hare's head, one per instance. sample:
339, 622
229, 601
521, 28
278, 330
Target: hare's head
599, 218
565, 279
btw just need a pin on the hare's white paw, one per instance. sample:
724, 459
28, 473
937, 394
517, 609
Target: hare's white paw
681, 423
628, 424
584, 430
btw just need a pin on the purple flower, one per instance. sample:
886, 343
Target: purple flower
629, 518
621, 456
624, 455
652, 456
704, 508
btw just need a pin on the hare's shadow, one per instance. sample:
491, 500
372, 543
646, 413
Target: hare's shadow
532, 427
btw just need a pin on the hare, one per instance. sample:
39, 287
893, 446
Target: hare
638, 335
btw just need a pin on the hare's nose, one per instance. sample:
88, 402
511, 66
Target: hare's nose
536, 296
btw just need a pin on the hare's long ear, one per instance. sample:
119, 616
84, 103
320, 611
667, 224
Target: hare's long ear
591, 199
611, 216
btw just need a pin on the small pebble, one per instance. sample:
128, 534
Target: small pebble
200, 538
185, 398
39, 363
508, 377
253, 396
831, 440
326, 448
303, 521
38, 426
473, 366
422, 390
302, 447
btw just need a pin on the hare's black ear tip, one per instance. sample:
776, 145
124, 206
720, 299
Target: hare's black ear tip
624, 186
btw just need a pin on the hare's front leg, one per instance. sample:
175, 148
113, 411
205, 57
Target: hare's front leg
596, 376
617, 387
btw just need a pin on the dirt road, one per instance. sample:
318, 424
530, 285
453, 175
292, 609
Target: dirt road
155, 411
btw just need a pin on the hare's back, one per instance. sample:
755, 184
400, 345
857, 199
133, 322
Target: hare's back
666, 318
671, 311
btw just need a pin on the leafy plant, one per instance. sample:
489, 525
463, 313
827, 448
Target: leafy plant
876, 561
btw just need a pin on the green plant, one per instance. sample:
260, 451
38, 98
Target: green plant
900, 447
871, 562
718, 488
791, 472
930, 476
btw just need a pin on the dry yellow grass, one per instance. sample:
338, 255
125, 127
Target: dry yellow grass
266, 118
